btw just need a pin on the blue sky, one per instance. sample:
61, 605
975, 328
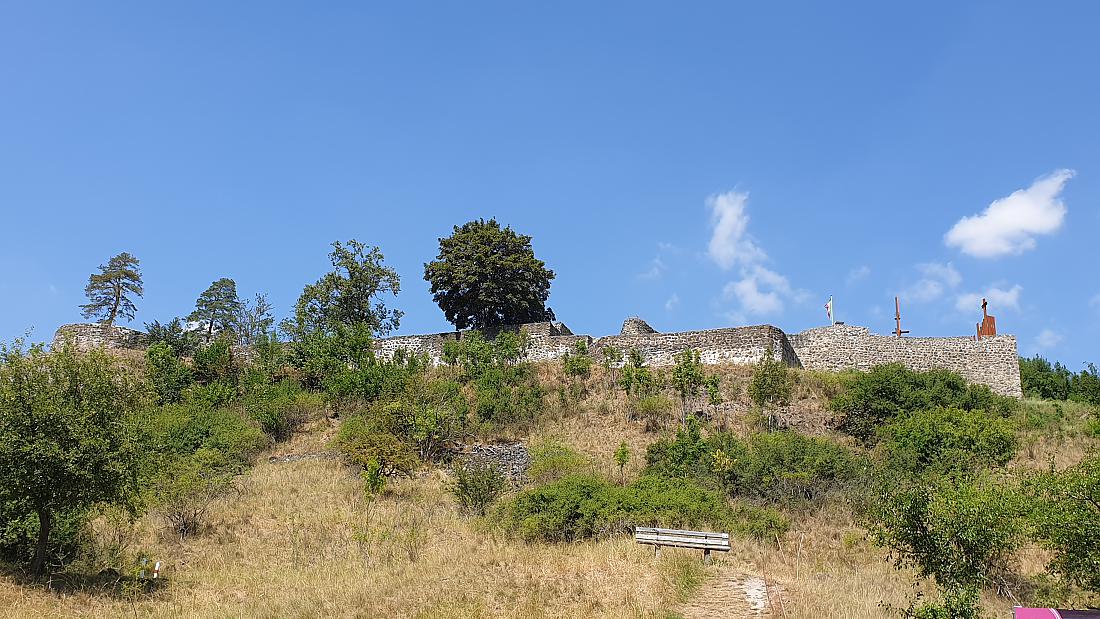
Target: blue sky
697, 164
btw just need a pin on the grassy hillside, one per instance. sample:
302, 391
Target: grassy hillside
297, 537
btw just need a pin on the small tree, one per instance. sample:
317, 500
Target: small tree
109, 290
488, 276
622, 456
218, 307
687, 378
578, 366
254, 320
183, 343
477, 485
348, 295
771, 382
1066, 520
66, 437
166, 374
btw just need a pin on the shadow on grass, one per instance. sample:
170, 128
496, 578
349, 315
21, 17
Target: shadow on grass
107, 583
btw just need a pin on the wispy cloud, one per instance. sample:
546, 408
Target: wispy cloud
935, 280
1047, 339
1009, 225
758, 291
857, 274
658, 266
729, 244
672, 303
997, 297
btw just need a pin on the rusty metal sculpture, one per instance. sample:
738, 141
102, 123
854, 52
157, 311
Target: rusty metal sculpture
897, 318
988, 326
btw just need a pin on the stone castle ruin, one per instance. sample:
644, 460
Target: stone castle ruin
988, 360
991, 360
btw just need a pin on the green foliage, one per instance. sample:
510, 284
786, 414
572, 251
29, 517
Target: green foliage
188, 484
477, 485
278, 408
348, 295
771, 382
654, 410
166, 374
688, 378
374, 482
214, 363
186, 428
780, 467
579, 507
948, 440
578, 364
960, 532
487, 276
254, 321
635, 378
874, 398
109, 291
1040, 379
217, 308
552, 460
622, 456
506, 393
66, 435
183, 342
1066, 520
362, 442
957, 603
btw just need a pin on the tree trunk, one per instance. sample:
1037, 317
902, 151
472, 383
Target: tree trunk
44, 522
114, 307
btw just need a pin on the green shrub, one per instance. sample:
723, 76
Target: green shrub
960, 532
785, 467
1066, 520
187, 485
874, 398
771, 381
361, 442
183, 343
507, 396
183, 429
957, 603
655, 410
214, 363
477, 484
584, 506
781, 467
166, 373
552, 460
948, 440
279, 408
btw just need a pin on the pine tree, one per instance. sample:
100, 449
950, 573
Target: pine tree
108, 291
218, 307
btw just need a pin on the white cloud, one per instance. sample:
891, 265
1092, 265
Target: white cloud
1047, 339
761, 291
935, 280
656, 268
997, 297
1009, 224
858, 274
672, 303
729, 244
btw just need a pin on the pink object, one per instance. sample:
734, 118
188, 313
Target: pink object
1036, 613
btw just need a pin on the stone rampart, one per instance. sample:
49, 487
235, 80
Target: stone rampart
88, 336
991, 361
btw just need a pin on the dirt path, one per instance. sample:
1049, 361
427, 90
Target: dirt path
732, 594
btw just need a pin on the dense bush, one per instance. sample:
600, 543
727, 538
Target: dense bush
362, 442
776, 466
189, 484
166, 373
183, 429
948, 440
184, 343
1066, 518
874, 398
214, 363
584, 506
1040, 379
771, 381
552, 460
960, 532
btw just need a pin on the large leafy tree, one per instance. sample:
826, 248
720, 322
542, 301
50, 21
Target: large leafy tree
488, 276
109, 291
67, 440
348, 295
218, 307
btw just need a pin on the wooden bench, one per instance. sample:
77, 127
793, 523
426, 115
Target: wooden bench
703, 540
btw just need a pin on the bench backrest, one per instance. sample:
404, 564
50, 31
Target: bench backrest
705, 540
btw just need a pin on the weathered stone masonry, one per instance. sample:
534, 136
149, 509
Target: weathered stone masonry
990, 361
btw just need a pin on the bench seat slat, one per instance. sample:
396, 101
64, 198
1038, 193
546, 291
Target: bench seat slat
674, 541
680, 532
702, 540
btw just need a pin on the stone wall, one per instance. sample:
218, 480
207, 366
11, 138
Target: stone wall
90, 336
740, 345
991, 361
